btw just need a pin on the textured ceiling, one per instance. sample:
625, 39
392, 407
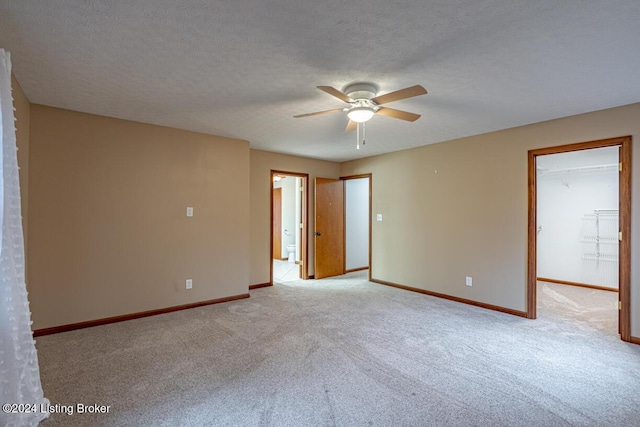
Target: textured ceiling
243, 68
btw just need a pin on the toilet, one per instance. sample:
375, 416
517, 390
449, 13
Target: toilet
292, 253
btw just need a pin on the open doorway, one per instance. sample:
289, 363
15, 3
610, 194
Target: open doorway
577, 237
342, 235
600, 236
289, 217
357, 223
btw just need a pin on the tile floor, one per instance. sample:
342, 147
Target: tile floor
285, 271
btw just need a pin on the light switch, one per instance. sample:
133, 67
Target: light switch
379, 217
190, 211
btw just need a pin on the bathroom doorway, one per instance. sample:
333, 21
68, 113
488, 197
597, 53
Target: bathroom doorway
289, 217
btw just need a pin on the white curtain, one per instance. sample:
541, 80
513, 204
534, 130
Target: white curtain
19, 372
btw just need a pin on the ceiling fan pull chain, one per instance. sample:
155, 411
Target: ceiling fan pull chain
357, 136
364, 124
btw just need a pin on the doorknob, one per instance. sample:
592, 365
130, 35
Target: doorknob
318, 233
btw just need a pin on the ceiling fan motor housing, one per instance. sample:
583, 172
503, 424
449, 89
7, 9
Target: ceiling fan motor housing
358, 91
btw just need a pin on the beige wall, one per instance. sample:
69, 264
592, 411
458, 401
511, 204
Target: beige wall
262, 162
108, 234
470, 218
21, 104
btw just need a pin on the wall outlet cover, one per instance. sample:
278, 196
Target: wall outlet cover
469, 281
189, 283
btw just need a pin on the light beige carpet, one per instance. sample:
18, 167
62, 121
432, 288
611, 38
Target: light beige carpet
573, 304
342, 352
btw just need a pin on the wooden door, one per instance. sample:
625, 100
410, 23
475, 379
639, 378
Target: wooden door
329, 235
277, 223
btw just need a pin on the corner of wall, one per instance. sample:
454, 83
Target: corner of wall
262, 162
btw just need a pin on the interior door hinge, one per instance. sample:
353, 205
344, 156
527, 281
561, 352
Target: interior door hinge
620, 235
301, 189
619, 305
620, 166
301, 225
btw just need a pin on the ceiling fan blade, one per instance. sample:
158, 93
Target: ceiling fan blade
317, 113
398, 114
351, 126
405, 93
335, 92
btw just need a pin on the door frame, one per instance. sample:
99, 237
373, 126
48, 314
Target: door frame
304, 217
346, 178
275, 239
624, 206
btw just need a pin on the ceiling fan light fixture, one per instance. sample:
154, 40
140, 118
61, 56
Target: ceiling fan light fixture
360, 114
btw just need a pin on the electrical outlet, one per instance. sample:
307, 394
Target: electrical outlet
189, 211
469, 281
189, 283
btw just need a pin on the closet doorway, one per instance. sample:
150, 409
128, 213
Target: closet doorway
592, 229
357, 223
342, 235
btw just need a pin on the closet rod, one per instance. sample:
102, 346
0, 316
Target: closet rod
611, 166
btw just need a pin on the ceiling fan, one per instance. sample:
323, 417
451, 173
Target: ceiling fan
364, 103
